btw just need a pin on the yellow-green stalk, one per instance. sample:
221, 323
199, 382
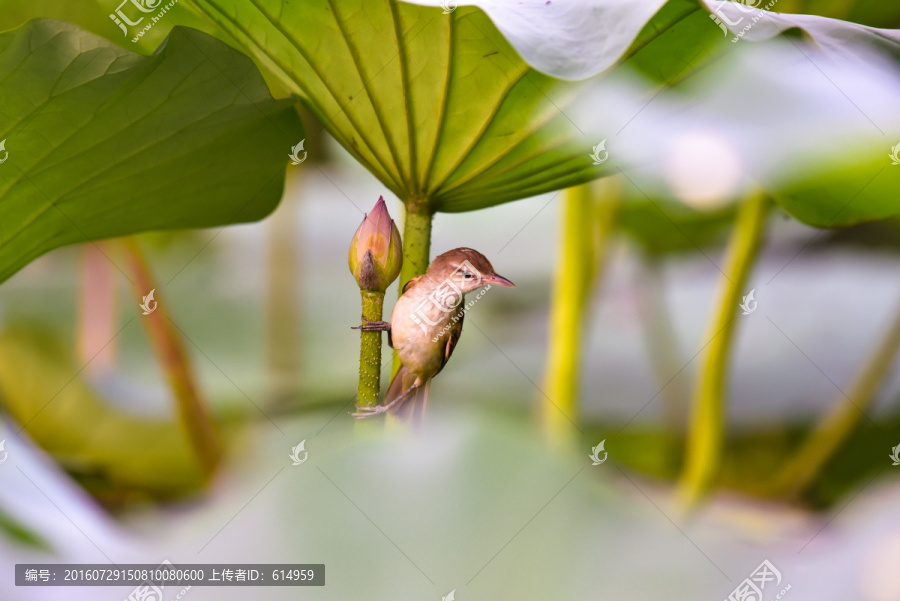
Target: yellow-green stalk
706, 433
826, 438
588, 215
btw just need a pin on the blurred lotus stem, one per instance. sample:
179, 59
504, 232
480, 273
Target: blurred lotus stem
666, 357
283, 299
167, 344
588, 217
833, 430
376, 256
97, 310
707, 426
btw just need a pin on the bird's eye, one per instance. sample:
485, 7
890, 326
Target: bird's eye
467, 275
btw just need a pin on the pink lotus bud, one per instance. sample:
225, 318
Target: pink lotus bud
376, 252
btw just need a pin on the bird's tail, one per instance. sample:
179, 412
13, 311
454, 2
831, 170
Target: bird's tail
411, 408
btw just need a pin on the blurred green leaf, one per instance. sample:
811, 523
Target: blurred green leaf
20, 534
115, 455
756, 455
103, 142
875, 13
843, 181
883, 235
840, 193
662, 226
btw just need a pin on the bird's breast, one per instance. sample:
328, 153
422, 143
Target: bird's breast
417, 321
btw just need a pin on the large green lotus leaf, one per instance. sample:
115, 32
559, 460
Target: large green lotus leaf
441, 107
103, 142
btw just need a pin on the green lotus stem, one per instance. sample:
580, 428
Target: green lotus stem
707, 426
367, 391
282, 340
831, 433
416, 241
193, 413
587, 226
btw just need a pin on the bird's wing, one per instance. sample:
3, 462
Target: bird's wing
411, 283
452, 338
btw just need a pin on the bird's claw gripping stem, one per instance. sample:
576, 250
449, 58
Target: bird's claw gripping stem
373, 326
366, 412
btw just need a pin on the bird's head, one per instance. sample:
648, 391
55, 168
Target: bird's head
466, 269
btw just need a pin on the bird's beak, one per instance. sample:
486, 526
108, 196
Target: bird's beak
499, 280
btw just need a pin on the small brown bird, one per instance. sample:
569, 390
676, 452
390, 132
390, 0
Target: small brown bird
426, 324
